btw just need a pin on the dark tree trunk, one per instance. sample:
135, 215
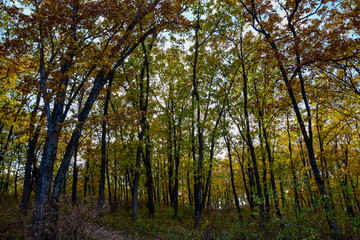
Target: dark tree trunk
108, 183
99, 82
86, 179
149, 177
177, 163
237, 204
41, 214
136, 185
115, 182
170, 163
307, 175
54, 120
208, 178
177, 138
307, 134
196, 126
241, 160
101, 197
4, 149
264, 176
247, 132
189, 188
283, 200
345, 186
209, 198
75, 168
31, 158
294, 180
272, 177
251, 146
17, 175
75, 179
144, 88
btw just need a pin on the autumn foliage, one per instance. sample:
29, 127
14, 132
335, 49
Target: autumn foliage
180, 119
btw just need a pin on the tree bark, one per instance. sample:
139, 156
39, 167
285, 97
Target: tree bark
272, 177
237, 204
101, 197
31, 157
294, 178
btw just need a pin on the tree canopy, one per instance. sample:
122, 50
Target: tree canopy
247, 107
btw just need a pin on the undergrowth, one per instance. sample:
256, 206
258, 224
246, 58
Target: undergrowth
79, 221
225, 224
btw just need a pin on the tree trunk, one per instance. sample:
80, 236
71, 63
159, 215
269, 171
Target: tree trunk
17, 175
251, 146
75, 179
108, 183
272, 177
86, 179
31, 158
241, 160
101, 197
264, 176
136, 185
237, 204
189, 188
294, 180
149, 178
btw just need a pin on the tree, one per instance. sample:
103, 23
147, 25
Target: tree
297, 39
63, 41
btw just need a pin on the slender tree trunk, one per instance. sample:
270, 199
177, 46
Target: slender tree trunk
251, 146
101, 197
75, 179
55, 118
272, 177
4, 149
16, 175
170, 162
241, 160
209, 198
177, 163
149, 178
115, 181
294, 178
237, 204
307, 134
283, 200
108, 183
86, 179
264, 176
31, 158
189, 188
75, 167
196, 124
345, 186
136, 185
307, 175
7, 180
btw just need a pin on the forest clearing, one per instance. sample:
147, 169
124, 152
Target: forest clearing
179, 119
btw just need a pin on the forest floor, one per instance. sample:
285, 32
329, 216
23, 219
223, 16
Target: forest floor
102, 232
80, 222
